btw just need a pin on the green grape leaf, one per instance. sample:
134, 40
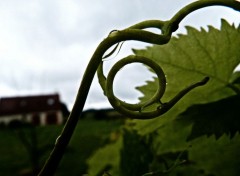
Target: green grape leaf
185, 60
135, 154
189, 58
106, 159
215, 118
216, 157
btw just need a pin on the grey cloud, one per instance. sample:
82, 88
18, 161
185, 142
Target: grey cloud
46, 45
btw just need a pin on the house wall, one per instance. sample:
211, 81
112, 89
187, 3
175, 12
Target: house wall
40, 118
7, 119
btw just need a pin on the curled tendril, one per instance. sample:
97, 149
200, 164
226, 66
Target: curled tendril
137, 110
137, 33
132, 110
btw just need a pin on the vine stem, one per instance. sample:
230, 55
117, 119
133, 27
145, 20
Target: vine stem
136, 33
63, 140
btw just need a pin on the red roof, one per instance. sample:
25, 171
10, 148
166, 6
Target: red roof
29, 104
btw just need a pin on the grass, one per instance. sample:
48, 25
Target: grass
88, 136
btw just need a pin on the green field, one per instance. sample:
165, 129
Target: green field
89, 135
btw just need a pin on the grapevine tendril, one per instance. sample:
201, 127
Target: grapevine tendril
136, 110
137, 33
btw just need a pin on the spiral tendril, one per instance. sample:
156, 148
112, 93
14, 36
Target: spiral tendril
136, 111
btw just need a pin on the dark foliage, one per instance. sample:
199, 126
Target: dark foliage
216, 118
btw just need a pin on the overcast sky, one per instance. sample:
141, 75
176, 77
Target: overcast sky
45, 45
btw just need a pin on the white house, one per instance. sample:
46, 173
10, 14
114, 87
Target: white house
37, 110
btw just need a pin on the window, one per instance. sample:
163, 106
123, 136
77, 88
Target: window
51, 118
36, 119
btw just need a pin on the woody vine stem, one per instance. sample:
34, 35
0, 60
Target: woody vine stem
137, 111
